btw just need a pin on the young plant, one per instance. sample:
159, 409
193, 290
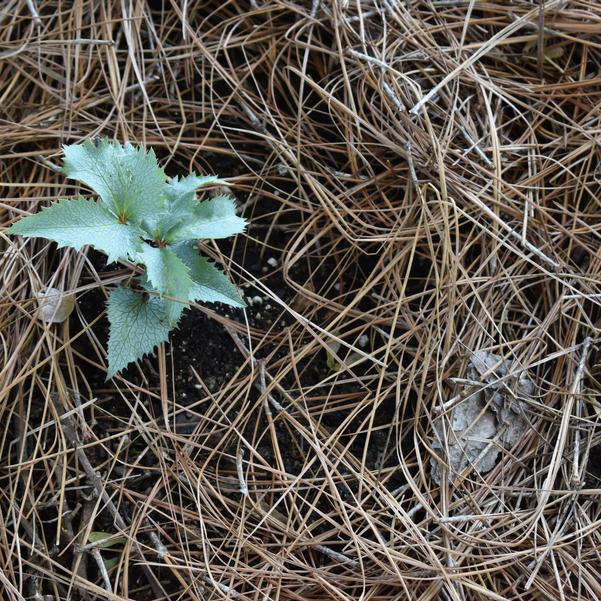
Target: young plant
151, 220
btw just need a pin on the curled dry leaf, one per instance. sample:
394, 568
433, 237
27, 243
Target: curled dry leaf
490, 417
54, 305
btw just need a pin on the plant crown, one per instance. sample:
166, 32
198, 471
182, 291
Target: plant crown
151, 220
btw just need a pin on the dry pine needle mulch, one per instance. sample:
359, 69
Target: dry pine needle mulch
427, 175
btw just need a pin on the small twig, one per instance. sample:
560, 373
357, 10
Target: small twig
159, 547
263, 388
34, 12
95, 553
81, 559
564, 427
393, 97
53, 166
474, 145
385, 66
576, 476
228, 590
369, 59
516, 235
536, 27
98, 544
84, 41
335, 555
240, 470
412, 172
255, 121
366, 15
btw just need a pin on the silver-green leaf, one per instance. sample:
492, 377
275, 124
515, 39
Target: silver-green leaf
180, 194
210, 219
210, 284
79, 222
128, 180
137, 325
166, 272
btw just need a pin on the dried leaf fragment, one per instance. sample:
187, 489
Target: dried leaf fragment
54, 305
490, 417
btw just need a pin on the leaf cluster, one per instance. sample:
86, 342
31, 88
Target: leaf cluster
149, 219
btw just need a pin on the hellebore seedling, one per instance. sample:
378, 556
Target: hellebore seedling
149, 219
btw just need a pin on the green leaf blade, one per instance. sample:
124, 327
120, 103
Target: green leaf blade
128, 180
211, 219
77, 223
181, 192
210, 284
105, 540
137, 326
166, 272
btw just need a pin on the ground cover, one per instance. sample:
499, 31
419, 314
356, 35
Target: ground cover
422, 275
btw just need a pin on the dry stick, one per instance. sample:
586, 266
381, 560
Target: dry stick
263, 387
81, 560
558, 450
162, 553
576, 476
70, 430
224, 588
466, 134
379, 63
46, 162
85, 41
563, 430
335, 555
95, 553
393, 97
159, 547
369, 59
369, 13
385, 67
263, 390
34, 12
577, 472
240, 470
